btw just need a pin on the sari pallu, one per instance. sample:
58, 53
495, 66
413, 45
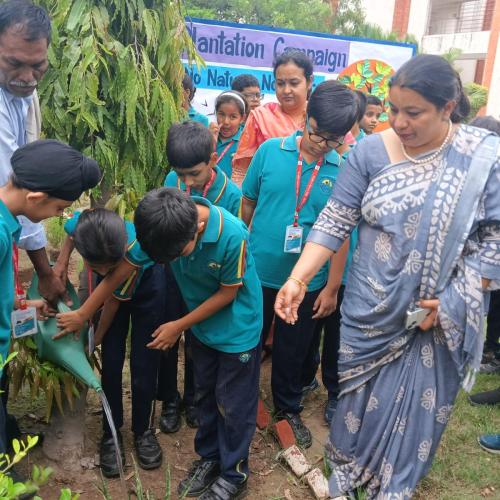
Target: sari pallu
398, 386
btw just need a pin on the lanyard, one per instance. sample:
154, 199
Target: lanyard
226, 149
20, 295
207, 186
307, 192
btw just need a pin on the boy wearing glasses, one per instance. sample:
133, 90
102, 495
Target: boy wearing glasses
286, 186
249, 86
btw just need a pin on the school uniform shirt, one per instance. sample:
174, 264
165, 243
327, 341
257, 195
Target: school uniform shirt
223, 192
134, 255
270, 182
10, 230
197, 117
226, 161
221, 257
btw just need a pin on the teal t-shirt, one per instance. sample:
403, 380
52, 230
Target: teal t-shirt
270, 183
225, 156
223, 192
10, 229
221, 257
197, 117
134, 255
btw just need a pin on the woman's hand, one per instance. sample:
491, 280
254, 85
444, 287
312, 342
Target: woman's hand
288, 301
69, 322
325, 304
165, 336
431, 319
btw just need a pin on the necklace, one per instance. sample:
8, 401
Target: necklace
434, 155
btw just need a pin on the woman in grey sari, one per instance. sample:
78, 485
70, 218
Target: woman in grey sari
426, 197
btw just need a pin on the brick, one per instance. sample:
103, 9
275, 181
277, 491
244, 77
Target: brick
296, 461
284, 434
263, 416
318, 484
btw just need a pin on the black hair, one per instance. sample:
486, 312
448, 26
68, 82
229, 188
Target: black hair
486, 122
436, 81
361, 101
187, 84
100, 236
297, 57
373, 100
232, 96
241, 82
34, 20
165, 220
188, 144
334, 107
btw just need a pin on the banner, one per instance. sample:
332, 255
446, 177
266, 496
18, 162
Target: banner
231, 49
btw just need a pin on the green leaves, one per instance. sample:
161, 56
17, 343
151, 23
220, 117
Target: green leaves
114, 84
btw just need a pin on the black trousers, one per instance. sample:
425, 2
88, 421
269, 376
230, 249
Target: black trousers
291, 344
167, 377
227, 392
493, 327
145, 312
330, 326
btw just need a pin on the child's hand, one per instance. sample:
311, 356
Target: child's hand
214, 130
43, 310
165, 336
69, 322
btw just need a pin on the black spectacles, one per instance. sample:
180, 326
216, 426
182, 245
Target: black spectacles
318, 139
253, 95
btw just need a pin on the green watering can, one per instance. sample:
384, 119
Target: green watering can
66, 352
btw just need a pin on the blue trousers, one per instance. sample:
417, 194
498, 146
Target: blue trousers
226, 392
145, 312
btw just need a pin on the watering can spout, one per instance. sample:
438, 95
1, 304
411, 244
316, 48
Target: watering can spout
66, 352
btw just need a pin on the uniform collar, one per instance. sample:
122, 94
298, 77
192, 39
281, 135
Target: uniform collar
290, 144
10, 220
217, 189
213, 228
235, 137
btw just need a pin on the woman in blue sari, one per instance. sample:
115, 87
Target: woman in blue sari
426, 197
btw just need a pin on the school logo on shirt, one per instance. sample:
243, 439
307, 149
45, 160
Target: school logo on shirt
214, 266
326, 184
245, 357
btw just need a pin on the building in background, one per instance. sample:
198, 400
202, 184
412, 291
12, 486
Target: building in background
472, 26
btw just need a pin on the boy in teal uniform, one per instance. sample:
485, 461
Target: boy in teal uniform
191, 155
206, 246
106, 242
189, 91
286, 186
47, 177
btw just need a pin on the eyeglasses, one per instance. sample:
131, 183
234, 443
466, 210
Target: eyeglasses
254, 96
318, 139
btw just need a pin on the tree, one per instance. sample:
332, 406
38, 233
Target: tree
348, 17
308, 15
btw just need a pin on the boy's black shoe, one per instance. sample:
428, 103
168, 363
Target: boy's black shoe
200, 477
170, 418
486, 398
224, 490
107, 455
149, 454
191, 416
301, 432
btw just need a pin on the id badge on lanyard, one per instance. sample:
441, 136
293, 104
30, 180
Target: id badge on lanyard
23, 320
294, 233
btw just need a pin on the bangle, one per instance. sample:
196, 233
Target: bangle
298, 281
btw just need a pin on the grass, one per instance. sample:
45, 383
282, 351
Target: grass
461, 469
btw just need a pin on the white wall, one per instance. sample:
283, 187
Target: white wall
473, 44
467, 69
380, 12
419, 18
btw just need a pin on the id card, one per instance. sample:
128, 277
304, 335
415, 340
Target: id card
293, 239
24, 322
91, 340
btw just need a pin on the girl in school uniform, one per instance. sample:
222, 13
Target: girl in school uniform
231, 110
